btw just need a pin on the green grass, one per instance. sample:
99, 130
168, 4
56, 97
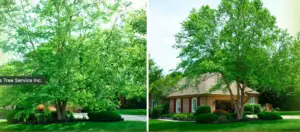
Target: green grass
77, 126
257, 125
133, 111
289, 112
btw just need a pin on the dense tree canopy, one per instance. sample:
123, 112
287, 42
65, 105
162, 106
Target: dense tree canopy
89, 51
240, 41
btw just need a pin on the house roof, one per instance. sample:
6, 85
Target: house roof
207, 82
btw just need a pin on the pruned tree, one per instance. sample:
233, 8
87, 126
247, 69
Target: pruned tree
240, 41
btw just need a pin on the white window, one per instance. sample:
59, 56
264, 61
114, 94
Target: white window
252, 100
194, 105
178, 106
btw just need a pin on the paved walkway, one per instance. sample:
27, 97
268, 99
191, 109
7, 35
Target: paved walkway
134, 117
284, 116
174, 120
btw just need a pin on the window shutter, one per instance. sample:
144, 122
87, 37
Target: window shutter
190, 104
174, 106
198, 101
181, 105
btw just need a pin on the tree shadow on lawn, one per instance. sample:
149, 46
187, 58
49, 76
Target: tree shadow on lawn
77, 126
256, 125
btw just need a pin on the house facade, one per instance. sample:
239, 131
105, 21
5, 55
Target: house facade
188, 99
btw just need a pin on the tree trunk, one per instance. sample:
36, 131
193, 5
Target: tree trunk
61, 110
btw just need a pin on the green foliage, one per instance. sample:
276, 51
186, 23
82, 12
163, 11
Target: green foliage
207, 118
89, 51
205, 109
240, 42
269, 116
249, 109
10, 117
167, 115
252, 108
183, 116
157, 111
233, 116
133, 111
70, 115
105, 116
3, 113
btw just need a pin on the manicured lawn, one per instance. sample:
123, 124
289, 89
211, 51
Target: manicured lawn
289, 112
257, 125
77, 126
133, 111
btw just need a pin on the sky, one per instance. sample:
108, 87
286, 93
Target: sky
135, 4
165, 16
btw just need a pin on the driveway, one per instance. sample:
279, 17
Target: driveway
134, 117
126, 117
284, 116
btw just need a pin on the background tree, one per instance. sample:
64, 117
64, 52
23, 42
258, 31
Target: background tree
239, 41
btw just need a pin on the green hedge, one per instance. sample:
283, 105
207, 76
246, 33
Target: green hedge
207, 118
183, 116
269, 116
104, 116
203, 110
36, 118
252, 108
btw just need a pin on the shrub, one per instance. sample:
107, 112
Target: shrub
179, 117
269, 116
40, 118
3, 113
249, 109
233, 116
203, 110
183, 116
157, 111
257, 108
252, 108
105, 116
220, 112
70, 115
53, 115
207, 118
165, 109
167, 115
10, 117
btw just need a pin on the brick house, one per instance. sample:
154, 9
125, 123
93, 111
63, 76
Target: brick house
188, 99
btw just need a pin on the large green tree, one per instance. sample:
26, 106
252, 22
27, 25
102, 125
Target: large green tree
239, 40
88, 51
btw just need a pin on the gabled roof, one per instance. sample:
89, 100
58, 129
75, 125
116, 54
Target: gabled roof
207, 82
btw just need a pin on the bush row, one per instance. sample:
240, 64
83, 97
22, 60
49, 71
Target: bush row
39, 117
269, 116
42, 117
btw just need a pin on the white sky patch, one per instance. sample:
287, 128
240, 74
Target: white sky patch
165, 16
